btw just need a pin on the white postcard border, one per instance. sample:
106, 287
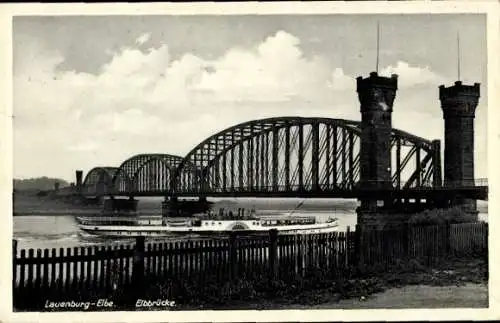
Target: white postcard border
490, 8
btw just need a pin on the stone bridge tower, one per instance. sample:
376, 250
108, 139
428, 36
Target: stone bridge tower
458, 103
376, 96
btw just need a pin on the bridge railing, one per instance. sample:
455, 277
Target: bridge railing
309, 187
275, 188
468, 183
479, 182
374, 185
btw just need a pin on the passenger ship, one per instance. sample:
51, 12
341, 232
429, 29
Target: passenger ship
202, 224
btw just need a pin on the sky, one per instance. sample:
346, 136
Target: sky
95, 90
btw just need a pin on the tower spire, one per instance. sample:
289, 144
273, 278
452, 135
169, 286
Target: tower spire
458, 55
378, 46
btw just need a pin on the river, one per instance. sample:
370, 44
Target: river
61, 231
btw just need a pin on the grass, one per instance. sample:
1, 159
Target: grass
452, 283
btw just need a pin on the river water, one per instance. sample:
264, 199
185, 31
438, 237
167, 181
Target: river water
61, 231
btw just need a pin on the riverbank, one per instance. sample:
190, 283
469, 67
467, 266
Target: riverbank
469, 295
465, 286
457, 283
418, 296
202, 281
69, 211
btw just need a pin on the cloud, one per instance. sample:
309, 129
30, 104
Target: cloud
410, 76
341, 82
143, 38
146, 101
275, 71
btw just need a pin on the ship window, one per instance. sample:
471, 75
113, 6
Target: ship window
220, 223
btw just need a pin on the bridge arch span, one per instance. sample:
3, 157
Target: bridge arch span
294, 154
99, 180
145, 173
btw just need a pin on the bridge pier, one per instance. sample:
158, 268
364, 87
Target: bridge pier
390, 213
114, 204
79, 181
459, 103
378, 219
93, 200
173, 207
170, 207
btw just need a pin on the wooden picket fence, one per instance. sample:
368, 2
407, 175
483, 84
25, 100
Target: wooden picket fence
82, 273
125, 271
469, 238
428, 244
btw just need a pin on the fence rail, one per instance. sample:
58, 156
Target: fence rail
96, 271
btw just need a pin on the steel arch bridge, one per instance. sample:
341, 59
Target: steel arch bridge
294, 157
273, 157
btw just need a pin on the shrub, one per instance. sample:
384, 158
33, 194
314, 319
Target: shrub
442, 216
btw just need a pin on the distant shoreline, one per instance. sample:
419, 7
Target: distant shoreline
148, 212
34, 206
54, 212
71, 212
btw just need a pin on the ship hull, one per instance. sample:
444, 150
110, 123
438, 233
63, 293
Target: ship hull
166, 231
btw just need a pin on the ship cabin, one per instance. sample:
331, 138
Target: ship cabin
288, 221
254, 221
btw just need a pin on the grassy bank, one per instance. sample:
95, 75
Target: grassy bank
453, 283
457, 282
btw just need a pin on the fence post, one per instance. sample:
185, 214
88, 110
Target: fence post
14, 265
358, 247
300, 255
485, 232
14, 248
233, 255
273, 254
138, 266
348, 246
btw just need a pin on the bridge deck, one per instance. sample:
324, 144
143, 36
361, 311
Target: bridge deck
477, 192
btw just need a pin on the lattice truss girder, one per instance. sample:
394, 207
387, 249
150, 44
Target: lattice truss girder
296, 154
413, 161
269, 155
151, 173
99, 180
